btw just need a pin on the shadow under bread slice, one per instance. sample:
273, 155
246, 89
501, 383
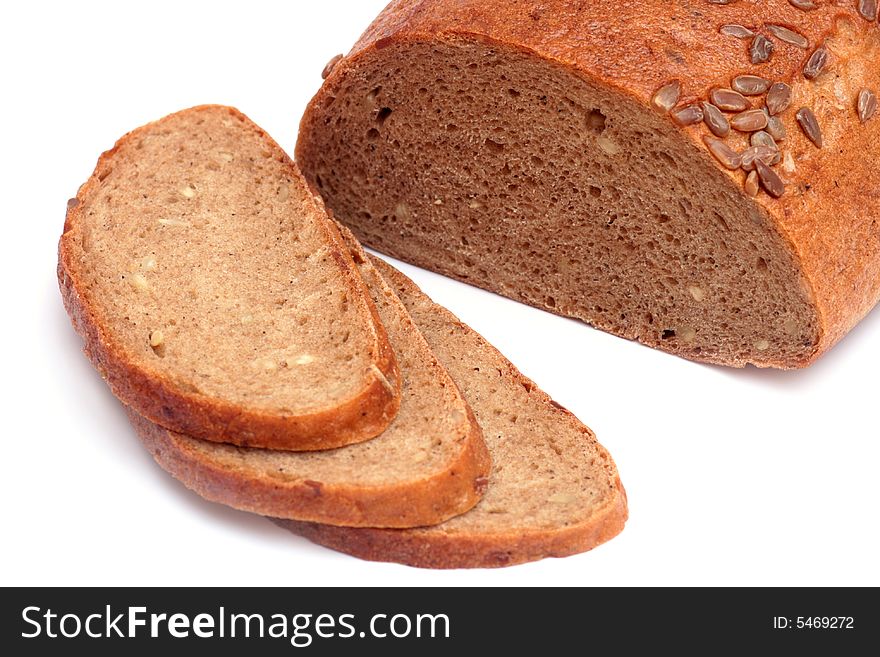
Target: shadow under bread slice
554, 490
429, 465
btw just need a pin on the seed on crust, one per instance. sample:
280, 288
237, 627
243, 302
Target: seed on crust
728, 157
737, 31
776, 128
761, 49
762, 138
749, 121
816, 63
729, 100
806, 5
750, 85
715, 120
868, 9
328, 69
753, 184
810, 125
789, 36
690, 115
867, 105
778, 98
667, 96
770, 180
765, 154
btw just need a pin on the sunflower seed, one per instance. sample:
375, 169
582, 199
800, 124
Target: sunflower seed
688, 115
770, 180
753, 184
816, 63
776, 128
867, 105
749, 121
806, 5
789, 36
667, 96
721, 2
762, 138
729, 100
810, 125
328, 69
728, 157
868, 9
761, 49
765, 154
715, 120
737, 31
750, 85
778, 98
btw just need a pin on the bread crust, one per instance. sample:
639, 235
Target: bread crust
830, 215
439, 549
415, 503
363, 416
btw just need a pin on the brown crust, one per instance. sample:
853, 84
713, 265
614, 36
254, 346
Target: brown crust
165, 402
435, 548
420, 502
440, 551
831, 215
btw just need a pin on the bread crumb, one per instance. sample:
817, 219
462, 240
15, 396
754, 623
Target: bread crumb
607, 145
157, 339
139, 281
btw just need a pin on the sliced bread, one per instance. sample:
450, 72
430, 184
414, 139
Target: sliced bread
215, 296
430, 464
554, 490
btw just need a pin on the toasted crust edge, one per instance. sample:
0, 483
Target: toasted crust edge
362, 417
416, 503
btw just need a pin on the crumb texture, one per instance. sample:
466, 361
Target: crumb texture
421, 470
507, 172
207, 258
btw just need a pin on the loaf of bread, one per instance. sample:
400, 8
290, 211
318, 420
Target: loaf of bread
554, 490
215, 296
698, 175
430, 464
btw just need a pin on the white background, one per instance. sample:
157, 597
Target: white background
734, 477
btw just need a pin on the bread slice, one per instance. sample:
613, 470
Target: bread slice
554, 490
430, 464
569, 155
213, 293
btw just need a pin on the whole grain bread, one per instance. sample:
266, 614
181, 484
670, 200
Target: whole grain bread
214, 295
430, 464
554, 490
598, 160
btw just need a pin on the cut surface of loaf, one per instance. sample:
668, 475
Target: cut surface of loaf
558, 153
214, 294
554, 490
430, 464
